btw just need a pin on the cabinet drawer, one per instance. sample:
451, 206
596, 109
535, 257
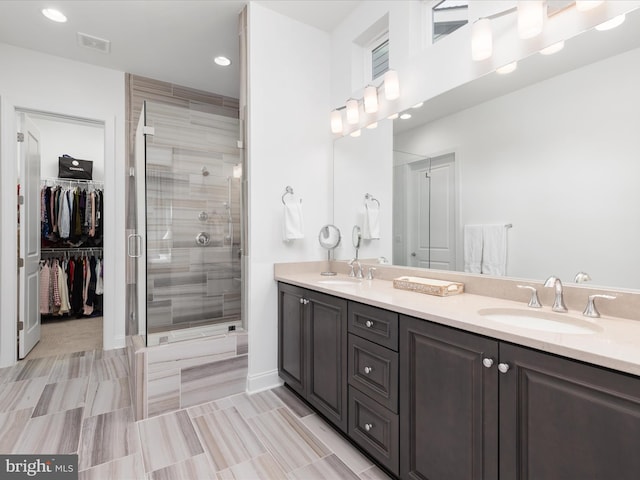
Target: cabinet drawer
379, 326
375, 429
374, 370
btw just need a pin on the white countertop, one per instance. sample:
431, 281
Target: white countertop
615, 345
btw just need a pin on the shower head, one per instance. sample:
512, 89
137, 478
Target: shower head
205, 172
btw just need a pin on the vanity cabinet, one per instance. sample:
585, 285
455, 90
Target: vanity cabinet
312, 349
476, 408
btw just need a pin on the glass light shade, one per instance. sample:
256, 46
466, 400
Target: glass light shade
373, 125
371, 99
508, 68
357, 133
353, 113
530, 18
551, 49
481, 39
391, 85
584, 5
336, 121
613, 23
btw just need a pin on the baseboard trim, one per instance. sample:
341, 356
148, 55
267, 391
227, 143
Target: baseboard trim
263, 381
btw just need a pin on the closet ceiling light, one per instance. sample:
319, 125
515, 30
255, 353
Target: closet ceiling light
54, 15
336, 121
551, 49
371, 99
356, 133
405, 116
584, 5
508, 68
613, 23
531, 15
222, 61
353, 114
481, 39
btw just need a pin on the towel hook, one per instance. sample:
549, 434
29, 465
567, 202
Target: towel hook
368, 196
288, 191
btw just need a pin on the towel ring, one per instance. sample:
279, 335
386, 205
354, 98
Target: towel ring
288, 191
368, 196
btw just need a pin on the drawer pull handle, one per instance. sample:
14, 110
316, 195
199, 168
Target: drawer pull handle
487, 362
503, 367
368, 370
369, 323
368, 426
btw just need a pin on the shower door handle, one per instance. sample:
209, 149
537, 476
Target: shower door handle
137, 242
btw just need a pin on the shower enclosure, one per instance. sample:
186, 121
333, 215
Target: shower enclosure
188, 191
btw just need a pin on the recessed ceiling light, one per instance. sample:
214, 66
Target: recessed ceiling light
54, 15
222, 61
405, 116
609, 24
418, 105
551, 49
372, 125
356, 133
508, 68
393, 116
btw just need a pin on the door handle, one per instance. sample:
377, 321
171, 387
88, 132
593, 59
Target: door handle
413, 254
134, 239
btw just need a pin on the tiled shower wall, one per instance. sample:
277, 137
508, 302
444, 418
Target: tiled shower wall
191, 190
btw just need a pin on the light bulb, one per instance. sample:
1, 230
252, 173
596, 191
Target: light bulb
584, 5
371, 99
391, 85
530, 18
353, 113
613, 23
481, 39
551, 49
336, 121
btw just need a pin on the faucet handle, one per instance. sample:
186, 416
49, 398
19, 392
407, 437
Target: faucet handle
534, 302
370, 273
591, 310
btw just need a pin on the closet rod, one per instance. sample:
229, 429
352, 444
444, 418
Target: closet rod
72, 181
70, 249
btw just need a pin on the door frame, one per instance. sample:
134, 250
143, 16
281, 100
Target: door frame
114, 311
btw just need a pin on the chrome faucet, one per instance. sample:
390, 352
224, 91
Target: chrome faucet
558, 303
356, 268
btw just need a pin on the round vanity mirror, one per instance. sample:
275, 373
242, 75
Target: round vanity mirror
356, 238
329, 238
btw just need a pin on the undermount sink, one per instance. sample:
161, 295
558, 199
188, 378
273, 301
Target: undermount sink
340, 281
540, 320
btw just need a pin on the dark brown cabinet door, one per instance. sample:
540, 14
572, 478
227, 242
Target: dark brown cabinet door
562, 419
448, 403
327, 356
291, 340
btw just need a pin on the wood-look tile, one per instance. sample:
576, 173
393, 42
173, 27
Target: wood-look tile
203, 409
110, 368
107, 396
22, 394
337, 444
72, 365
213, 381
190, 354
129, 468
325, 468
287, 439
29, 369
257, 403
116, 352
54, 434
242, 340
197, 467
60, 396
374, 473
106, 437
163, 392
263, 467
11, 426
227, 438
292, 401
167, 440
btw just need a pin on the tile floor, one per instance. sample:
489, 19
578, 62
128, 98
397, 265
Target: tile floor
80, 403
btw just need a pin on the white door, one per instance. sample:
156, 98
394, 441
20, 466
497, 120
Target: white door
29, 283
431, 213
136, 243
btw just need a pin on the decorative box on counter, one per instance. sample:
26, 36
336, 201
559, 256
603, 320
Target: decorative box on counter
430, 286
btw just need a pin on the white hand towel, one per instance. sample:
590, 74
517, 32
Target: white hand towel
494, 251
473, 248
371, 223
293, 221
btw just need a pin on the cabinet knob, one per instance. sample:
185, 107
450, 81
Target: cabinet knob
368, 426
487, 362
503, 367
368, 370
369, 323
302, 301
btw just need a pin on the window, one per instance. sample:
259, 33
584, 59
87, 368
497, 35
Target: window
448, 16
380, 58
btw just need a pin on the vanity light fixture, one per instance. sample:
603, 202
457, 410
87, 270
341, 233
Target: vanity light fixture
373, 125
353, 111
370, 99
613, 23
551, 49
356, 133
336, 121
585, 5
508, 68
393, 116
481, 39
405, 116
531, 15
54, 15
391, 85
418, 105
222, 61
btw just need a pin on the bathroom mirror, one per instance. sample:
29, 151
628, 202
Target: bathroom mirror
551, 149
329, 238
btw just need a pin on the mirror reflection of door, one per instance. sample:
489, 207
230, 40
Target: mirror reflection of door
430, 210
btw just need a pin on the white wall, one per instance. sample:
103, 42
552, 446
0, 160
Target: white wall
35, 81
289, 144
557, 159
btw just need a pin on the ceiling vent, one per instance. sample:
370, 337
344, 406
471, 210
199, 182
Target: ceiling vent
95, 43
